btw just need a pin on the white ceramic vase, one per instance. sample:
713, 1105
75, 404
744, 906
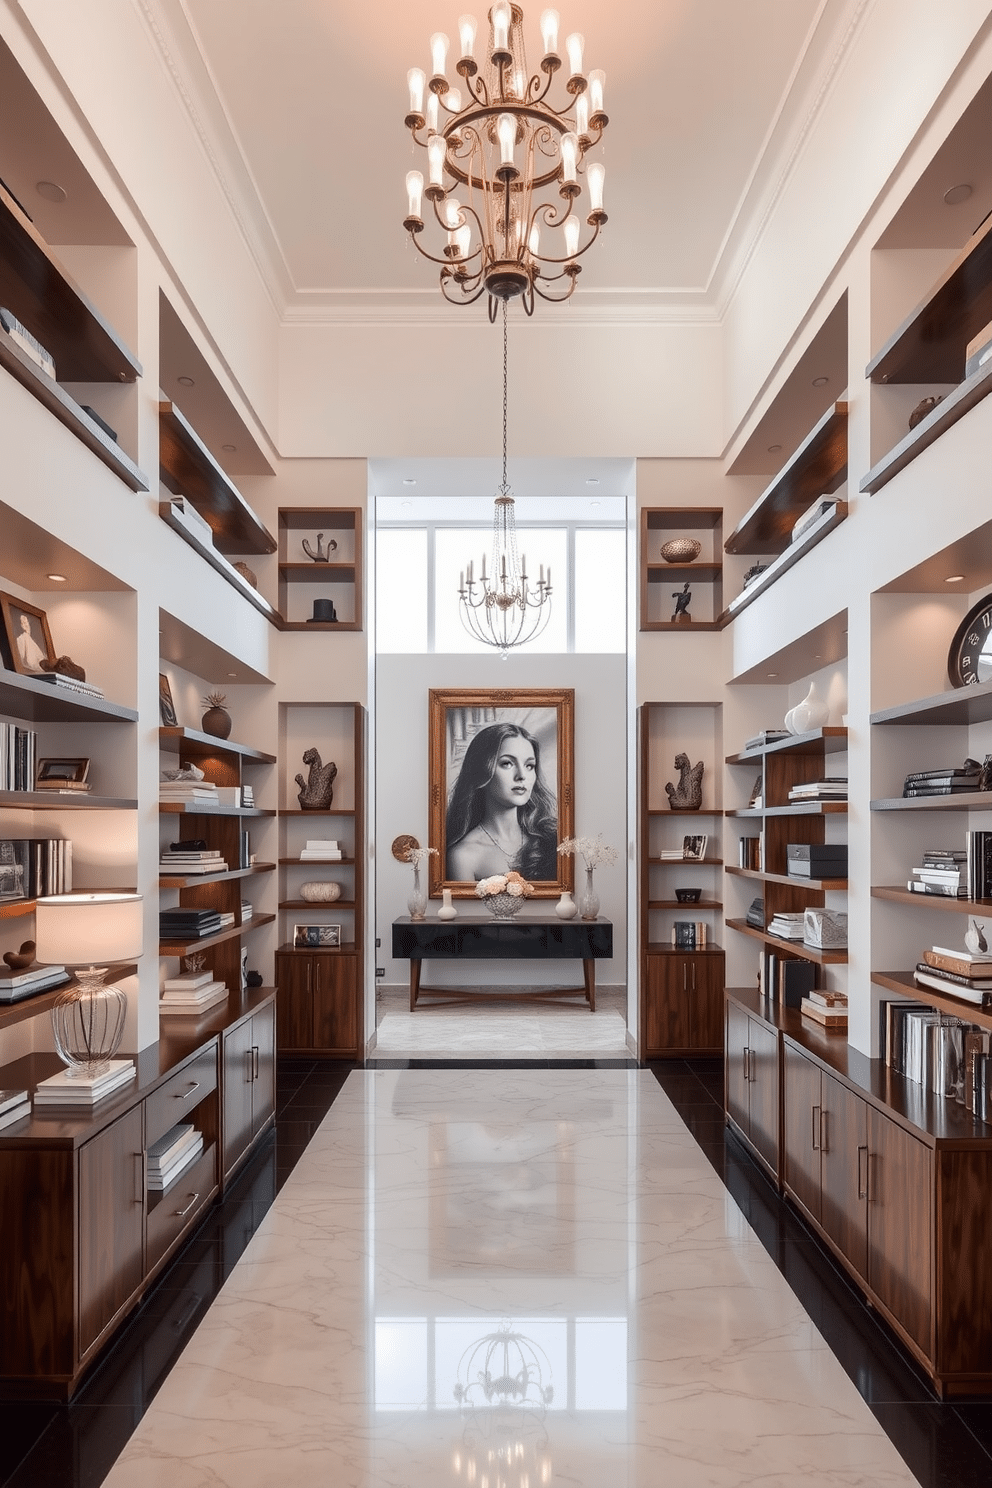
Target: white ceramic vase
447, 910
566, 908
811, 713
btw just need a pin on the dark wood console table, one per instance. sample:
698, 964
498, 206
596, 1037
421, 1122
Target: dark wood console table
483, 938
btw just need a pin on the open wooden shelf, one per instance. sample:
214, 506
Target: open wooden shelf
30, 1007
302, 570
903, 983
196, 808
686, 862
324, 811
204, 943
659, 523
961, 705
348, 949
16, 909
197, 880
795, 947
704, 572
814, 534
947, 902
317, 573
196, 745
219, 563
316, 862
189, 469
818, 468
329, 905
831, 740
819, 885
947, 412
963, 801
680, 905
665, 948
682, 811
795, 808
49, 800
44, 702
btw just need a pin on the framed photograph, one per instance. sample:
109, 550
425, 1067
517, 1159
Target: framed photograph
13, 869
694, 848
27, 638
61, 772
166, 707
501, 794
316, 937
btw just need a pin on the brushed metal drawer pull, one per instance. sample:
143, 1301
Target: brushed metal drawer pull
186, 1095
254, 1056
863, 1183
824, 1131
816, 1128
182, 1213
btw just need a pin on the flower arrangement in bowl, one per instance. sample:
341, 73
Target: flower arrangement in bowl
594, 853
503, 894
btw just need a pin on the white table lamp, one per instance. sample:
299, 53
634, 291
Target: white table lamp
91, 933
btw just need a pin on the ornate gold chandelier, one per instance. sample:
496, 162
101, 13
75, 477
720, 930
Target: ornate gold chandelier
518, 162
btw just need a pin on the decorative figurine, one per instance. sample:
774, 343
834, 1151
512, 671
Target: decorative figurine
322, 555
18, 960
216, 720
65, 667
317, 792
925, 406
688, 794
682, 616
975, 939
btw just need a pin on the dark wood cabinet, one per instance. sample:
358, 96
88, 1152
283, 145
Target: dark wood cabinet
683, 1003
752, 1083
319, 1003
248, 1064
844, 1170
900, 1207
111, 1223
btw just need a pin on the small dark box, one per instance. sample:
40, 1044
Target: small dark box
816, 859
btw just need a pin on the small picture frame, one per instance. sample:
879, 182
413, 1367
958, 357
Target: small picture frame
13, 869
166, 707
58, 774
316, 937
694, 847
27, 640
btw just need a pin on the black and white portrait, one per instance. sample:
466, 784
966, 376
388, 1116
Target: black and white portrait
27, 636
501, 796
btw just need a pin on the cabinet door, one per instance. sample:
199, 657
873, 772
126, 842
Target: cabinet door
900, 1207
238, 1071
735, 1081
294, 1000
111, 1223
263, 1091
844, 1171
801, 1136
706, 981
335, 1005
763, 1092
666, 1007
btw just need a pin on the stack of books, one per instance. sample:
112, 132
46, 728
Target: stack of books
961, 974
756, 914
227, 919
788, 926
949, 781
978, 848
943, 871
247, 910
786, 979
191, 992
192, 861
82, 1091
749, 853
198, 792
325, 850
71, 684
827, 1008
18, 757
15, 985
830, 788
14, 1105
172, 1154
689, 935
927, 1047
188, 924
30, 345
31, 867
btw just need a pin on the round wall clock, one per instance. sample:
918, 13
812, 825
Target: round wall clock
970, 658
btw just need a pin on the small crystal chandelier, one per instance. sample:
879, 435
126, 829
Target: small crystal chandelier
505, 612
507, 149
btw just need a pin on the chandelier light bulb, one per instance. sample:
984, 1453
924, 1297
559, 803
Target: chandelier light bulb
439, 53
569, 157
506, 130
462, 240
452, 213
417, 81
574, 45
436, 151
534, 241
467, 29
433, 109
582, 115
572, 230
453, 100
596, 175
597, 87
501, 27
550, 21
414, 193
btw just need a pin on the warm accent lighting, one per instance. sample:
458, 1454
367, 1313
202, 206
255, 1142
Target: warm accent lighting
516, 162
82, 930
56, 578
954, 579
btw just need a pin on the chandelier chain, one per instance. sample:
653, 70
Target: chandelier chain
505, 487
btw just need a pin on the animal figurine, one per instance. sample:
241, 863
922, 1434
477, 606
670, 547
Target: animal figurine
688, 794
322, 555
682, 603
65, 667
317, 792
18, 960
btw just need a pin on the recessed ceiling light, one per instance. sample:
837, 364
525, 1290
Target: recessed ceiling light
232, 674
185, 382
773, 674
56, 578
51, 191
592, 480
773, 449
951, 578
820, 381
957, 194
230, 448
595, 503
406, 503
409, 481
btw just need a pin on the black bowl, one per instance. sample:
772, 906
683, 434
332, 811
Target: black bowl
688, 896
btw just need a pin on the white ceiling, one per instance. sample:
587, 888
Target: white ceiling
302, 106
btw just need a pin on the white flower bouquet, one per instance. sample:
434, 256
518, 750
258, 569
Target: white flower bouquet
592, 850
504, 893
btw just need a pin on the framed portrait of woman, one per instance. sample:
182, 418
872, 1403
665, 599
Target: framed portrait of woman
501, 795
27, 638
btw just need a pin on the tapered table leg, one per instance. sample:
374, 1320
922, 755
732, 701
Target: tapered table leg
589, 974
414, 981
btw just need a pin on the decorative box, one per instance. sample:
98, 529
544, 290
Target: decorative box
825, 929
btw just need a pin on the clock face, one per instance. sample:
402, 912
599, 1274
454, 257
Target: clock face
969, 660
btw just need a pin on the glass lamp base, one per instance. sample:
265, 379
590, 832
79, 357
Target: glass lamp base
88, 1023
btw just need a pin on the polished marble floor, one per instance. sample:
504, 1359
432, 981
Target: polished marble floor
491, 1208
517, 1035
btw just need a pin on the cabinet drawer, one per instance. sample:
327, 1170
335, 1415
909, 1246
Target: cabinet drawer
181, 1094
179, 1208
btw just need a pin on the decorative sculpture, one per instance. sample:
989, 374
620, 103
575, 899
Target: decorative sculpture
322, 555
64, 666
18, 960
317, 792
682, 604
688, 794
975, 940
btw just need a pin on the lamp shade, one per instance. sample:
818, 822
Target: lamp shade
88, 929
